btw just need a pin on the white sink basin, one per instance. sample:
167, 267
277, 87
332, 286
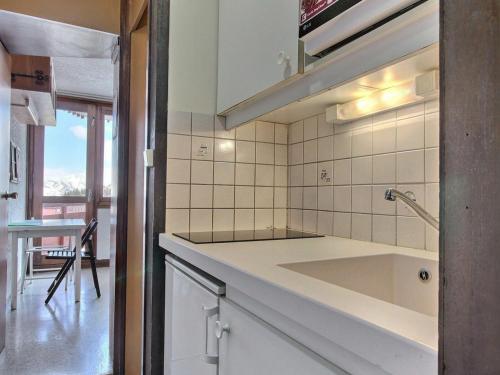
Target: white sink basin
391, 277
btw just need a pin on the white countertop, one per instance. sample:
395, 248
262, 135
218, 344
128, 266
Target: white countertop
253, 268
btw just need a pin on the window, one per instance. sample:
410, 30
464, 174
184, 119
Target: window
107, 156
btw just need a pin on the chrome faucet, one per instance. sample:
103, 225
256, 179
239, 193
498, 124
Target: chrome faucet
409, 199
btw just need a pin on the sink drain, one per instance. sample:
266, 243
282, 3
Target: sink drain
424, 275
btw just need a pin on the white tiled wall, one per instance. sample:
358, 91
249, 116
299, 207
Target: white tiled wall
338, 175
225, 180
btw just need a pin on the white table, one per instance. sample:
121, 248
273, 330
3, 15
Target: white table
45, 228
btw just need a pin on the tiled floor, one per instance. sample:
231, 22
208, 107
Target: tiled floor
61, 337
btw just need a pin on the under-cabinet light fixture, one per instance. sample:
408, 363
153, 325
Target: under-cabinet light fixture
416, 90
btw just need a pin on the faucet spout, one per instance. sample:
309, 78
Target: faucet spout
408, 198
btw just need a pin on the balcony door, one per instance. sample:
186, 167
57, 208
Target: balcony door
74, 158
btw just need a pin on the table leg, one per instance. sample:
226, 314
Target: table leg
13, 267
78, 266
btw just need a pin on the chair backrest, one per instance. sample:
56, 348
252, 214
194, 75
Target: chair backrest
87, 236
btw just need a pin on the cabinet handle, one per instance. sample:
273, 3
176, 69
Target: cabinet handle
207, 313
220, 329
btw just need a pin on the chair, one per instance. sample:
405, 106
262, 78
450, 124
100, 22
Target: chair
87, 253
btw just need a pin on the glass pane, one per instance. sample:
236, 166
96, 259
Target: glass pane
65, 155
61, 211
106, 168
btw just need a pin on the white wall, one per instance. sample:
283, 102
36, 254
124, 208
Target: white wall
193, 56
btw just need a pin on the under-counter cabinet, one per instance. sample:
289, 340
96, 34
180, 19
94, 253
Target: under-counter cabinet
258, 48
205, 334
249, 346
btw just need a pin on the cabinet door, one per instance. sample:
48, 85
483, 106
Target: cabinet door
253, 36
252, 347
188, 330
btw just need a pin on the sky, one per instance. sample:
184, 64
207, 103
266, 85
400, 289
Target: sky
66, 150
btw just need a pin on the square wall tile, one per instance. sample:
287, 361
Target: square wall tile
361, 227
264, 197
280, 218
342, 146
296, 132
342, 224
220, 129
410, 133
362, 170
178, 146
202, 172
432, 199
200, 220
432, 106
418, 190
325, 148
281, 134
223, 220
311, 151
384, 138
342, 198
179, 122
223, 196
325, 223
244, 219
384, 118
178, 171
310, 198
245, 152
280, 197
342, 172
280, 176
310, 174
411, 111
296, 196
432, 165
201, 196
384, 169
246, 132
362, 142
224, 173
310, 220
410, 232
296, 154
224, 150
324, 128
310, 128
202, 148
178, 195
264, 131
384, 229
264, 153
280, 154
244, 196
177, 220
203, 125
295, 217
325, 198
431, 238
264, 175
410, 166
380, 205
325, 173
245, 174
264, 218
432, 130
362, 199
297, 175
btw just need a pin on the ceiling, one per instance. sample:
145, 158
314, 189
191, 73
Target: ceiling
385, 77
81, 57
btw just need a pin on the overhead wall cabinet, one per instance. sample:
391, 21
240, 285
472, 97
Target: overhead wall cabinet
258, 48
33, 98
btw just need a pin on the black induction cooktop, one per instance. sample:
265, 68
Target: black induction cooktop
244, 235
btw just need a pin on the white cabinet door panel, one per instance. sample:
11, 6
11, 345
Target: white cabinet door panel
252, 33
252, 347
186, 326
